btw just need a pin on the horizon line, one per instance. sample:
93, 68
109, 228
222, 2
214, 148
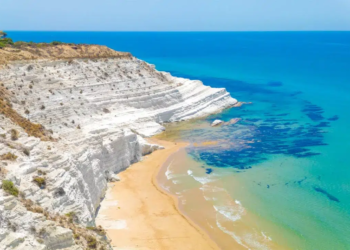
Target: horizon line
177, 31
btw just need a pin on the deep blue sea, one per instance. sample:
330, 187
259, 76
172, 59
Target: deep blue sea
288, 157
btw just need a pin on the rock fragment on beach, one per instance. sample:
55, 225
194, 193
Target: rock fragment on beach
114, 178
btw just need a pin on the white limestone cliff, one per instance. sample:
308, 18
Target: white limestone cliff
99, 110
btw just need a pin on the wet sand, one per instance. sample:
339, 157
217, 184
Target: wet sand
138, 214
211, 206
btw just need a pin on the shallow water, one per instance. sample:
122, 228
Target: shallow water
280, 176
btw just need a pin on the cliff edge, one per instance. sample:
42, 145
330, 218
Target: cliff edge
34, 51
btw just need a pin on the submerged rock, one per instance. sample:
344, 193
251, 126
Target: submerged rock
220, 122
233, 121
217, 123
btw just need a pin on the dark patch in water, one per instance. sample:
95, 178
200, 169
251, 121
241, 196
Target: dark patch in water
302, 180
265, 129
322, 125
314, 112
306, 155
208, 170
296, 93
315, 116
329, 196
333, 118
275, 84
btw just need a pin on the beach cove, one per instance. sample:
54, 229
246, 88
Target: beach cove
138, 214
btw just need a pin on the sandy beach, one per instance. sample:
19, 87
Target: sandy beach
137, 214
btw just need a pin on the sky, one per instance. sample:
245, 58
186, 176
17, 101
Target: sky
175, 15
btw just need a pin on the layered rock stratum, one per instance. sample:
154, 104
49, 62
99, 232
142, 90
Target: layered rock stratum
71, 118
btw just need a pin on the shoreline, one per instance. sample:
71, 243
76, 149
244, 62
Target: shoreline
201, 222
131, 219
175, 198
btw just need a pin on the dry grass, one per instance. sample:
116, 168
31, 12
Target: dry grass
88, 238
62, 51
32, 129
8, 157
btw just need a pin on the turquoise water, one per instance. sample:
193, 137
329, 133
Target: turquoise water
290, 151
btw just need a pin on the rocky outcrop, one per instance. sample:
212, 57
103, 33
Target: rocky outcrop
97, 112
217, 123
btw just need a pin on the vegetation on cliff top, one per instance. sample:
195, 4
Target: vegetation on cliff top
19, 51
8, 42
4, 41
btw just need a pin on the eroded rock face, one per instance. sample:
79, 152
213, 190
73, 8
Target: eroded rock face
98, 111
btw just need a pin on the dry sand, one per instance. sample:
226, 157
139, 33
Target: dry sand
137, 214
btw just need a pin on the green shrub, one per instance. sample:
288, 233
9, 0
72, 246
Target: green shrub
98, 230
40, 181
5, 41
9, 188
56, 43
71, 216
91, 242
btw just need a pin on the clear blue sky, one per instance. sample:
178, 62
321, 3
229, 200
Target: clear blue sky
175, 15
